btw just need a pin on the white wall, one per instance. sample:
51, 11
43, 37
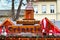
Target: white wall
58, 6
39, 4
41, 16
58, 10
49, 15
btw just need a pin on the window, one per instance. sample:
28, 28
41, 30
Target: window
35, 9
44, 9
51, 8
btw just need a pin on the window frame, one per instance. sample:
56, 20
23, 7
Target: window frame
52, 10
36, 10
43, 11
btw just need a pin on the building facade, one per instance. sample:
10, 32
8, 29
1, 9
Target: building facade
47, 8
42, 8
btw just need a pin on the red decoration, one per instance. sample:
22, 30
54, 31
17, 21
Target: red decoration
49, 26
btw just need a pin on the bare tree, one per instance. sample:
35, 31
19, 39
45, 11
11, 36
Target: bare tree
18, 10
13, 12
29, 0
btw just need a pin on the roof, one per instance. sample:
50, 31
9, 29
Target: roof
7, 22
29, 6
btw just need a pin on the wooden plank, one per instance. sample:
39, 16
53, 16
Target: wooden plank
27, 22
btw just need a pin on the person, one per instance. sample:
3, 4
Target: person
3, 31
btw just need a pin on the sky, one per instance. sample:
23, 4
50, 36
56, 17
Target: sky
6, 4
